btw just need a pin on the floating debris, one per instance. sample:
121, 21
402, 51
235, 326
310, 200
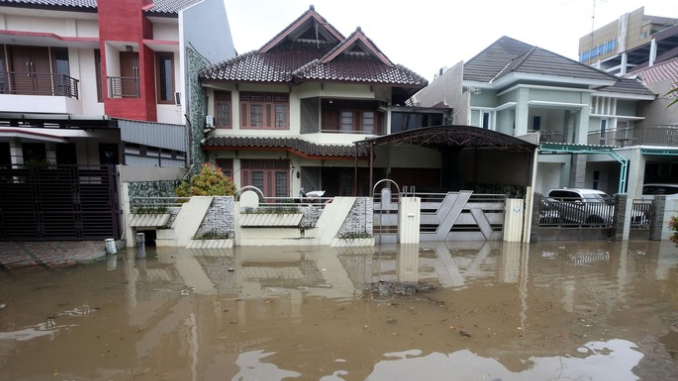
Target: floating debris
400, 288
3, 306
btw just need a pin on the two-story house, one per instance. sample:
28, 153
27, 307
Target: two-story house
519, 89
286, 116
90, 85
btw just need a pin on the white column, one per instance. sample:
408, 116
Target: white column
624, 63
409, 219
653, 52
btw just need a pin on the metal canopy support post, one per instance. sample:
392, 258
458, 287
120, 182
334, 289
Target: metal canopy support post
355, 172
624, 171
559, 149
371, 165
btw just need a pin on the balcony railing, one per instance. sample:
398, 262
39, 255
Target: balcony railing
123, 87
56, 85
664, 136
552, 136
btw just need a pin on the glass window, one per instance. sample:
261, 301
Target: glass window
165, 77
97, 68
264, 110
222, 109
368, 122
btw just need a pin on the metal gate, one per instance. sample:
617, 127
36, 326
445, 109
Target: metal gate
452, 216
58, 203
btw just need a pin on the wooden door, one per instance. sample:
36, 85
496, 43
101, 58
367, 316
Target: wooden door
129, 74
30, 70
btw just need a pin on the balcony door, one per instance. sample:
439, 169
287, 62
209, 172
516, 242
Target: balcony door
129, 73
30, 70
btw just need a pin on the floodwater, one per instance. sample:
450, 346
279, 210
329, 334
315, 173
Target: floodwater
556, 311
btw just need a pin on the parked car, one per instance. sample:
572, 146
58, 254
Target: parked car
651, 190
588, 207
582, 206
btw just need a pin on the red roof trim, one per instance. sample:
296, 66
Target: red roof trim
349, 42
297, 24
280, 149
161, 42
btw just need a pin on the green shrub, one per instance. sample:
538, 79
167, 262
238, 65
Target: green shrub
673, 226
211, 181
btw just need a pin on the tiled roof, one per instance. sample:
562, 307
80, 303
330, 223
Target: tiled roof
508, 55
356, 59
161, 6
294, 145
276, 65
310, 13
370, 66
55, 3
171, 6
629, 86
663, 71
365, 69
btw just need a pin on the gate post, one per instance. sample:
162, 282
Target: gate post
409, 218
513, 220
657, 223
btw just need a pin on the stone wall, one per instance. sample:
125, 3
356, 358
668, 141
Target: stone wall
196, 110
360, 219
160, 188
219, 220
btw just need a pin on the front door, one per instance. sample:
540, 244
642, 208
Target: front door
129, 73
30, 70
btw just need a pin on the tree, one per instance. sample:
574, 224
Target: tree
211, 181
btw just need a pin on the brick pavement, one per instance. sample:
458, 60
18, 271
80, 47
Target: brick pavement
48, 255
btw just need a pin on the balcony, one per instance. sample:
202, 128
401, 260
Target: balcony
46, 84
646, 135
123, 87
552, 136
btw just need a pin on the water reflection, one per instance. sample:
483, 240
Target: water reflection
500, 312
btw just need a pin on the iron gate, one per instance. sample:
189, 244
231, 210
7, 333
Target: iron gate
58, 203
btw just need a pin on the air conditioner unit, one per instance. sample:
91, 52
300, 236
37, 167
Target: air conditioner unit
209, 121
177, 98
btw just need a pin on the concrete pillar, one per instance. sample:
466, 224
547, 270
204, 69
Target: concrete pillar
578, 171
534, 232
657, 217
513, 220
409, 219
624, 63
653, 53
620, 224
582, 130
522, 112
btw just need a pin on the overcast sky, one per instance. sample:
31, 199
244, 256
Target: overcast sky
426, 35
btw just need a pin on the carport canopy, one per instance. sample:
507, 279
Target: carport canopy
450, 137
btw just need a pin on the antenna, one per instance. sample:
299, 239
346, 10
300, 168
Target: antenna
593, 24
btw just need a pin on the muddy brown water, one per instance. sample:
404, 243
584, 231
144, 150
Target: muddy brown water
557, 311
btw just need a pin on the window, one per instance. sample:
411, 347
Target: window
226, 166
97, 68
485, 120
350, 121
271, 176
165, 77
603, 130
536, 123
34, 153
222, 109
264, 111
62, 71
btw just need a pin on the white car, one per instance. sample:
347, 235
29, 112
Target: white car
582, 206
588, 207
